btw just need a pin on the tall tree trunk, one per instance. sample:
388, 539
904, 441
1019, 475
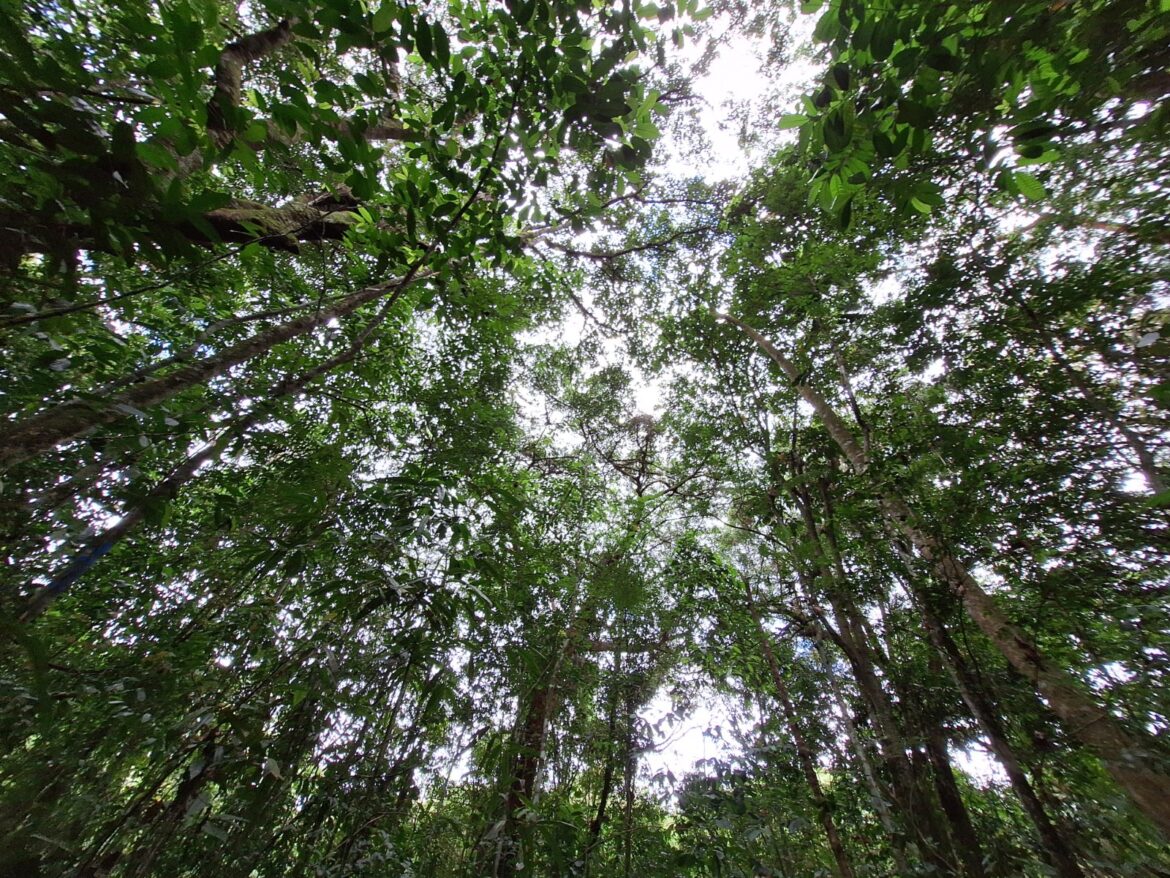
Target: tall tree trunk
804, 753
628, 775
876, 792
1055, 849
529, 747
967, 844
598, 820
1130, 758
909, 791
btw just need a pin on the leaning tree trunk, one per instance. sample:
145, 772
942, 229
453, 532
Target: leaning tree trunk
1053, 845
1129, 757
967, 845
804, 754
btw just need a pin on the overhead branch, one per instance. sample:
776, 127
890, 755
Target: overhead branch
228, 90
281, 228
602, 255
229, 75
1147, 233
239, 221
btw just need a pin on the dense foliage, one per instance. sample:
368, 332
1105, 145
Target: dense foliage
337, 541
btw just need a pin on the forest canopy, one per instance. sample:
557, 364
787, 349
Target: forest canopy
408, 436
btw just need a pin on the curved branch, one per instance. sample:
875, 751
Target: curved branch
229, 75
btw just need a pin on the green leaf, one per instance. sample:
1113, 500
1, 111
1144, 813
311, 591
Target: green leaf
888, 147
384, 18
792, 120
929, 193
156, 156
422, 40
917, 114
442, 45
941, 59
885, 33
1028, 186
837, 131
845, 217
828, 26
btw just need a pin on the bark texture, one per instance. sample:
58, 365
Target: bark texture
229, 75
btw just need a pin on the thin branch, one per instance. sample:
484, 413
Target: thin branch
603, 255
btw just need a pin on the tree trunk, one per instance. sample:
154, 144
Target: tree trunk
1053, 846
631, 768
967, 844
529, 750
610, 767
804, 753
1131, 759
529, 745
876, 792
914, 803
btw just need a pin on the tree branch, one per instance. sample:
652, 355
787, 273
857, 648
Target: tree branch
229, 77
602, 255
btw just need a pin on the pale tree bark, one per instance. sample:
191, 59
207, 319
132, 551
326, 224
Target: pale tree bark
1131, 758
34, 435
229, 75
228, 83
